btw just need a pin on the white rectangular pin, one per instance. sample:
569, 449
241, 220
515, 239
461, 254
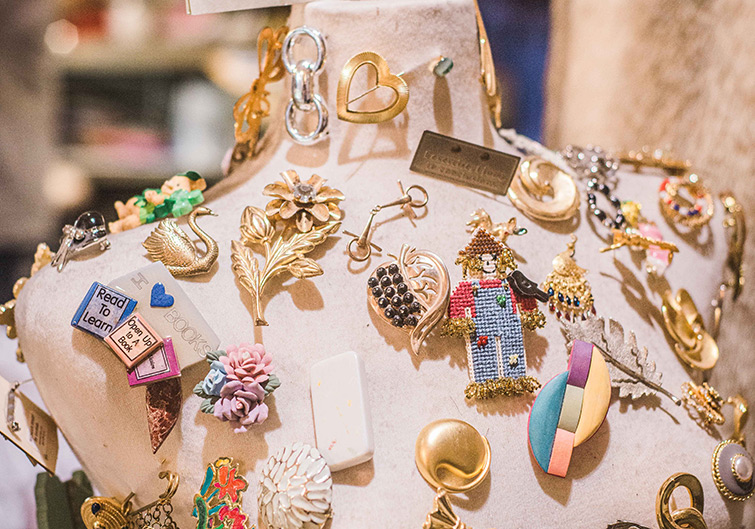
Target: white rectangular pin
343, 425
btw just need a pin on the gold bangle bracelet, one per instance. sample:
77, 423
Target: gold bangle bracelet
537, 178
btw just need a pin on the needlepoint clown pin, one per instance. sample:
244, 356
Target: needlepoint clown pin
488, 309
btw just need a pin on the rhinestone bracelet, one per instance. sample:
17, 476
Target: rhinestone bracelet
618, 221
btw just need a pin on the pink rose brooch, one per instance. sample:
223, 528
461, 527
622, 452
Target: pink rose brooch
239, 381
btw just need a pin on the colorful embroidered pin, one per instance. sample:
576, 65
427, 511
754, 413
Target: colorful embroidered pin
569, 292
102, 310
133, 340
160, 365
569, 409
239, 381
488, 310
411, 293
218, 503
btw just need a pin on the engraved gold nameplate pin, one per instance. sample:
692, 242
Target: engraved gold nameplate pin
464, 163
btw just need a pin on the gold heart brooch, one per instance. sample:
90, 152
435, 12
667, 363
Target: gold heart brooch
384, 78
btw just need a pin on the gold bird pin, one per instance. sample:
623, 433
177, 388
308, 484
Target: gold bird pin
169, 244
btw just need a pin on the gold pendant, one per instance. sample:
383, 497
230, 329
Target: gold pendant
692, 343
100, 512
452, 456
732, 465
499, 230
383, 77
703, 403
569, 292
640, 233
637, 240
254, 105
692, 516
43, 256
537, 178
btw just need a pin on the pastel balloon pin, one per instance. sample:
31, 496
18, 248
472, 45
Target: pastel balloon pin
569, 409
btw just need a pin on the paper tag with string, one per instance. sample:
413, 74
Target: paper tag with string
28, 427
200, 7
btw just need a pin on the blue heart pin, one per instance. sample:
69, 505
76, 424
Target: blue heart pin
159, 298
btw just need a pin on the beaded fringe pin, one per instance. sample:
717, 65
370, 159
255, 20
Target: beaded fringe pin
569, 292
507, 387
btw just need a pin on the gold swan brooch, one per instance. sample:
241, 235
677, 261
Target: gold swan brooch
169, 244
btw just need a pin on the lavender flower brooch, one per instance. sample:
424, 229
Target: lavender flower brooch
239, 381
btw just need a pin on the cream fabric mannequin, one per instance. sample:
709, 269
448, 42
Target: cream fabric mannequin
615, 475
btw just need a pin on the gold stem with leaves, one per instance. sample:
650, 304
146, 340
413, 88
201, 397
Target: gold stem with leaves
284, 252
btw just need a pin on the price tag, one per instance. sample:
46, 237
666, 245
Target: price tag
199, 7
28, 427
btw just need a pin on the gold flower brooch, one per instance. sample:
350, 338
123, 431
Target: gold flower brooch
300, 217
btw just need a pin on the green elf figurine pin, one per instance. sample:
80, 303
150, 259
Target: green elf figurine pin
177, 196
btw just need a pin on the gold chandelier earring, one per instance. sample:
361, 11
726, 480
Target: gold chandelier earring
569, 292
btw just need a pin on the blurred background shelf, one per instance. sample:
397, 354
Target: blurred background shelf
157, 57
121, 163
